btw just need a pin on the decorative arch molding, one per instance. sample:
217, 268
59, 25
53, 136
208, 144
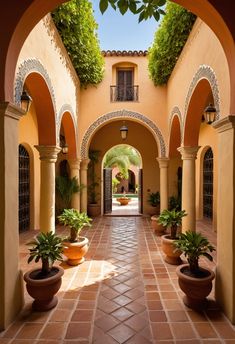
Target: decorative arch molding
123, 114
25, 68
204, 72
176, 112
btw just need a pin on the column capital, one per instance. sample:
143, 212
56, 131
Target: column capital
75, 164
11, 110
163, 162
48, 153
84, 164
225, 124
188, 152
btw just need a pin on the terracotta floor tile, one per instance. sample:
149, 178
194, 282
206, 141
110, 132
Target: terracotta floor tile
225, 330
122, 314
168, 295
173, 305
78, 330
205, 330
53, 331
60, 315
134, 293
86, 295
66, 304
161, 331
82, 315
137, 322
154, 305
106, 322
197, 316
176, 316
157, 316
29, 331
121, 288
108, 307
12, 330
136, 307
122, 300
139, 339
152, 296
182, 330
4, 340
121, 333
86, 305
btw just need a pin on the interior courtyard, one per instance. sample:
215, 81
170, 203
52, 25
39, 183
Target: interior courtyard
124, 291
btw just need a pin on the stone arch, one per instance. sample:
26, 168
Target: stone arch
66, 118
175, 131
117, 115
203, 82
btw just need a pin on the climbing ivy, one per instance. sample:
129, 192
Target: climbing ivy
77, 27
169, 41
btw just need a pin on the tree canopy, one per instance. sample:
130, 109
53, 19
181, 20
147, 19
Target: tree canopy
168, 42
122, 157
78, 29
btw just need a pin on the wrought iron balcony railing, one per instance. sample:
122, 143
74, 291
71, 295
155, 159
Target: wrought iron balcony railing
124, 93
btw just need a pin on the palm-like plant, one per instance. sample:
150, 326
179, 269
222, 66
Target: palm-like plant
194, 245
122, 157
172, 219
65, 188
46, 247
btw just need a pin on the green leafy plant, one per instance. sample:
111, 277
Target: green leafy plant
65, 188
48, 248
77, 27
75, 221
145, 8
115, 183
172, 219
174, 203
154, 199
194, 245
169, 41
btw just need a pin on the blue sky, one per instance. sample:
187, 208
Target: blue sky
117, 32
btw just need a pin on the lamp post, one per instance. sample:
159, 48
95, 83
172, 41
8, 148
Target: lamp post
25, 101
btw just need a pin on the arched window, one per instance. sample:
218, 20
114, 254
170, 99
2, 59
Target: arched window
208, 184
24, 189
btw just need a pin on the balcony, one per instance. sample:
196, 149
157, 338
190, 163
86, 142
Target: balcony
124, 93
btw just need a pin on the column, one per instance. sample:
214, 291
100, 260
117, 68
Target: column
163, 165
189, 155
75, 172
11, 293
225, 276
48, 157
84, 168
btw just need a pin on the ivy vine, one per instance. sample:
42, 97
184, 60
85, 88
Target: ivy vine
78, 29
168, 42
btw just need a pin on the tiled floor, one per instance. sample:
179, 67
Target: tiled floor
123, 293
131, 209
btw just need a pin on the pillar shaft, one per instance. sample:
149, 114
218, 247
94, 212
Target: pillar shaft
75, 172
84, 168
189, 155
225, 269
11, 294
48, 157
163, 165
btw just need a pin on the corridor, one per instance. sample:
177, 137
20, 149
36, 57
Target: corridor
122, 293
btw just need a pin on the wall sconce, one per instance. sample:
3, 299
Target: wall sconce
124, 131
210, 114
65, 148
25, 101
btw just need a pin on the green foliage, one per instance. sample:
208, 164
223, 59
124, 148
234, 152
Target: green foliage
194, 245
171, 219
169, 41
145, 8
122, 157
46, 247
77, 27
115, 183
154, 199
174, 203
65, 188
93, 182
75, 221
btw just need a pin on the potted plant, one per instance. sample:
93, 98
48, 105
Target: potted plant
43, 283
157, 227
123, 200
171, 219
93, 206
154, 201
174, 203
75, 246
195, 281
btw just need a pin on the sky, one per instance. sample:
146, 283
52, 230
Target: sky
117, 32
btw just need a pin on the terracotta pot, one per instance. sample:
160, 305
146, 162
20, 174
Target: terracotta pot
75, 251
172, 256
196, 289
43, 290
123, 201
157, 227
153, 210
93, 209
